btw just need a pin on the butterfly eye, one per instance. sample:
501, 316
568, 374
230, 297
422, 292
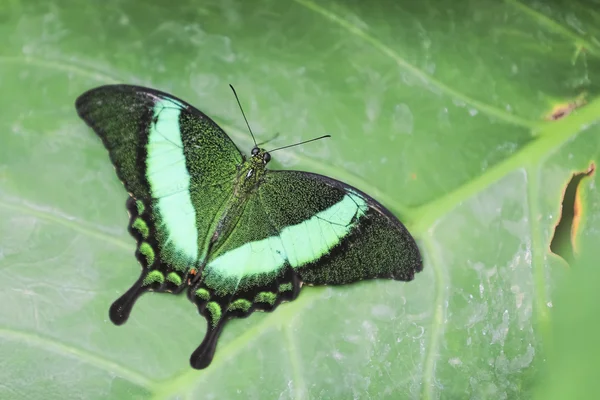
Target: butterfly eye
255, 151
267, 158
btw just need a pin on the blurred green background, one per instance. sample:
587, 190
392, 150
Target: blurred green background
441, 110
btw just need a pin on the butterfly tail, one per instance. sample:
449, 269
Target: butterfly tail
203, 355
121, 308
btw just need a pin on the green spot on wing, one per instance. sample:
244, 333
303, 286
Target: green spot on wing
148, 252
240, 304
285, 287
203, 294
174, 278
215, 312
154, 277
265, 297
141, 226
140, 207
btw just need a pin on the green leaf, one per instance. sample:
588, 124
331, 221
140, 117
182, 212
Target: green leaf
439, 111
571, 374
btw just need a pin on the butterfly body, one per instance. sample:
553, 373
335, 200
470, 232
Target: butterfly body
249, 176
237, 236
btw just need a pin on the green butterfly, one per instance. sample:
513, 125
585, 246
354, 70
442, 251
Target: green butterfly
240, 238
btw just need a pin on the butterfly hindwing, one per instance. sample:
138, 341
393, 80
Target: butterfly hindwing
247, 272
179, 168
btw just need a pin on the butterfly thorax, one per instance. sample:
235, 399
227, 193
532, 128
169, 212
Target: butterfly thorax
250, 174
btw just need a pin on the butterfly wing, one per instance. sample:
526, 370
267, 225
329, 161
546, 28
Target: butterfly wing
337, 234
298, 227
179, 168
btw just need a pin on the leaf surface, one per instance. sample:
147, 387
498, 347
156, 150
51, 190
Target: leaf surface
441, 113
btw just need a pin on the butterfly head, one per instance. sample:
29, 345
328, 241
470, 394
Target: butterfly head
260, 156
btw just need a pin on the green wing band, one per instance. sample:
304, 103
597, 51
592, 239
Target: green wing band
170, 181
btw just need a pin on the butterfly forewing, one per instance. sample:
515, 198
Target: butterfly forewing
352, 237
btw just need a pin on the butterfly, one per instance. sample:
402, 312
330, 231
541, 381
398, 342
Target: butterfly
238, 237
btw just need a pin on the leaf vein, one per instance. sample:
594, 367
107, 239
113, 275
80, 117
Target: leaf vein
555, 26
73, 224
63, 349
60, 65
388, 51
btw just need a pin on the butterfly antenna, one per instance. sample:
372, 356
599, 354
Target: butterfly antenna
268, 140
298, 144
243, 115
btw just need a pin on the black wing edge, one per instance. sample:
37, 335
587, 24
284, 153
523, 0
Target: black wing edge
82, 102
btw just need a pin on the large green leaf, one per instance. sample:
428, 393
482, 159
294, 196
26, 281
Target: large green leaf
572, 372
438, 109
